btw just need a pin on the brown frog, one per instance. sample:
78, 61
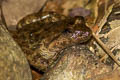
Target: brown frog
43, 35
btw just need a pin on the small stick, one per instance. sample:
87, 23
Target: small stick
43, 6
105, 48
104, 20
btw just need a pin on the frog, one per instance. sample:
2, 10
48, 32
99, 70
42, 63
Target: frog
42, 36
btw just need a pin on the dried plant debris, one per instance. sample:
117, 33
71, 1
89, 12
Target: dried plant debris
110, 33
115, 15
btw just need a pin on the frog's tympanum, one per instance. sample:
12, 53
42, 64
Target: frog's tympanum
43, 35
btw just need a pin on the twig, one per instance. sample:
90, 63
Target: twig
105, 48
43, 6
104, 20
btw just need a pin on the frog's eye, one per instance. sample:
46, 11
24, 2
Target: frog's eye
67, 30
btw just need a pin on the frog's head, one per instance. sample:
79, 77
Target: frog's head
79, 32
81, 35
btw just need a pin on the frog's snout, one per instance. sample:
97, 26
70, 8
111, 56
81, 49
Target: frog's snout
80, 36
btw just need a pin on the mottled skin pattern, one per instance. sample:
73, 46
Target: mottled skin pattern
43, 35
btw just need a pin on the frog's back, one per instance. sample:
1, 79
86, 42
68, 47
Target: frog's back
46, 35
40, 17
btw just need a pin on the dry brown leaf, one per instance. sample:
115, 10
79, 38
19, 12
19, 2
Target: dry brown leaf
14, 10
